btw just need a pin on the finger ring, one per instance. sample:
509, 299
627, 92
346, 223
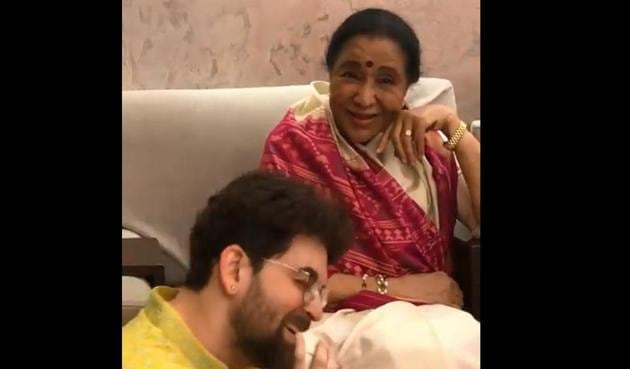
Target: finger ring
408, 133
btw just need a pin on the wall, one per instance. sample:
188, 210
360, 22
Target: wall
235, 43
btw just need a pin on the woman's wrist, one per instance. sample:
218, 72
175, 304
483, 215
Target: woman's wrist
393, 287
370, 284
452, 124
341, 286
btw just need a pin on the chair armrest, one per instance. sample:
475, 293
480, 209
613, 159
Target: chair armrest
142, 258
135, 294
466, 272
154, 275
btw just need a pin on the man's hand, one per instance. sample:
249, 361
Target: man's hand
323, 358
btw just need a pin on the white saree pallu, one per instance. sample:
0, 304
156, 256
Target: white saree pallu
400, 335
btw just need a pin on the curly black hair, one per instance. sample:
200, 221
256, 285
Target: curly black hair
262, 212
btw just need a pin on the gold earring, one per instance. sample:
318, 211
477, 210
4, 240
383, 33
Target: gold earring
233, 288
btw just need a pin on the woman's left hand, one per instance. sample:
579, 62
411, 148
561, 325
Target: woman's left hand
408, 130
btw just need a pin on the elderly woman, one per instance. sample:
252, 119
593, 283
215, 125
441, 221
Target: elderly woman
406, 174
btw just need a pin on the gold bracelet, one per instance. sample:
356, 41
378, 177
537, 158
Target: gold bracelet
456, 137
381, 284
364, 281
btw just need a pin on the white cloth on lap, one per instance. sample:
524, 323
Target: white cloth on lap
400, 335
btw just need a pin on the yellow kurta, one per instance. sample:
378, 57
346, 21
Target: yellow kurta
158, 338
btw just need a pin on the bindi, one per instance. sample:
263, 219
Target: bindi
369, 64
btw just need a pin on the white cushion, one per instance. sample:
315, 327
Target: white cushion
180, 146
135, 294
129, 234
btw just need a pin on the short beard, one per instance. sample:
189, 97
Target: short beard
263, 348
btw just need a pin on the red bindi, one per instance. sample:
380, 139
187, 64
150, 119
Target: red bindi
369, 64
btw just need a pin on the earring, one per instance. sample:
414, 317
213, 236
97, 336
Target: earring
233, 288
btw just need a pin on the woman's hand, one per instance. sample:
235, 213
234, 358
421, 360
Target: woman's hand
416, 122
434, 288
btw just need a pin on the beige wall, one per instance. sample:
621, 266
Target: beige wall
235, 43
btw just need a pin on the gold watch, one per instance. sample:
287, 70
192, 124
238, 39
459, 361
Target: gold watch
456, 136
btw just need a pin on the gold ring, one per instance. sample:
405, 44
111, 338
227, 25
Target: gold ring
408, 133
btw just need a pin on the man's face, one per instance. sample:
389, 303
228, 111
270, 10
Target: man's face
273, 309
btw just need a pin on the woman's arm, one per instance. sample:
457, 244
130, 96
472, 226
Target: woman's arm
468, 153
342, 286
465, 212
435, 287
408, 134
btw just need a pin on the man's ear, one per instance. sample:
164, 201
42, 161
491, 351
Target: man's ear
231, 262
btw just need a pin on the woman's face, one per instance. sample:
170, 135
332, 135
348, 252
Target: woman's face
367, 86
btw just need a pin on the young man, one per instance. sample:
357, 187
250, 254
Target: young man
258, 270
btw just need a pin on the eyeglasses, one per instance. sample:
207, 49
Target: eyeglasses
313, 289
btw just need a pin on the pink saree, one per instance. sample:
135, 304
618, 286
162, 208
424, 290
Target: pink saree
393, 234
